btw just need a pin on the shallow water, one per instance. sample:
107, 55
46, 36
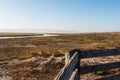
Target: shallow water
12, 37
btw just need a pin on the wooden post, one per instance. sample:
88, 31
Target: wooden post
79, 59
69, 55
78, 63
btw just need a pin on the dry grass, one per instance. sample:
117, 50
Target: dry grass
45, 47
17, 34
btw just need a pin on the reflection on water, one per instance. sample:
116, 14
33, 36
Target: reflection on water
11, 37
19, 37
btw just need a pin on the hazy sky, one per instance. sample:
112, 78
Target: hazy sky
60, 15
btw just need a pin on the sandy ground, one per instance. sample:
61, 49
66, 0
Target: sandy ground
7, 67
99, 60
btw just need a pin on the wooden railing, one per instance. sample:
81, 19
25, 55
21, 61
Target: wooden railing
72, 69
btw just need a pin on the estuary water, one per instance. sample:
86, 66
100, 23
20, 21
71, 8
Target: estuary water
12, 37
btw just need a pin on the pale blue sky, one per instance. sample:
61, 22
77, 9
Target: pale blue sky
60, 15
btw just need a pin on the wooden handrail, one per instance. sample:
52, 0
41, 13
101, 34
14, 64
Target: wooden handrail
72, 69
75, 75
68, 69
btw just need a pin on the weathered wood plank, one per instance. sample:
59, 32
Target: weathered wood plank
75, 75
100, 67
68, 73
99, 53
67, 70
113, 77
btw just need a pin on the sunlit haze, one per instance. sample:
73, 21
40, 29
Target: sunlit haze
60, 16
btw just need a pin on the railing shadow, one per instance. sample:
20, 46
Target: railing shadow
100, 53
100, 67
112, 77
73, 68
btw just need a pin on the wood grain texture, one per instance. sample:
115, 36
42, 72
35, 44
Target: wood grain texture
72, 70
68, 69
75, 75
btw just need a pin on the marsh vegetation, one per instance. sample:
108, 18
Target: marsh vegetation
41, 58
